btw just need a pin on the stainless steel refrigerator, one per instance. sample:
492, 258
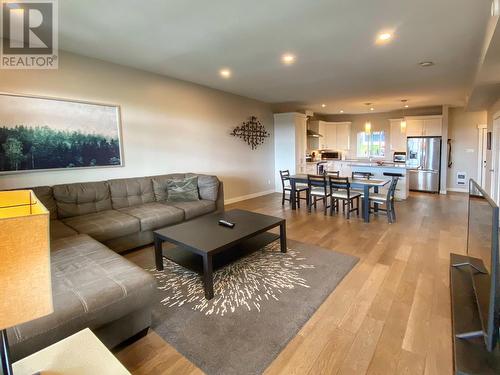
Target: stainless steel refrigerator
423, 159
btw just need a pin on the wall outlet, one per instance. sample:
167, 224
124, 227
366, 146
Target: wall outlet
269, 182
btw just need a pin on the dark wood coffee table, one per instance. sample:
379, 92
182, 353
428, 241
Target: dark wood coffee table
205, 237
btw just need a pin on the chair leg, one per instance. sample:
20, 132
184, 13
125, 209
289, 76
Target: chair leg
283, 198
298, 199
309, 203
393, 210
325, 206
349, 209
357, 206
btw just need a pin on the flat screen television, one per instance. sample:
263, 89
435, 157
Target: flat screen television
483, 252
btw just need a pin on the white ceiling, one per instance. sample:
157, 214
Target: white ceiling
337, 63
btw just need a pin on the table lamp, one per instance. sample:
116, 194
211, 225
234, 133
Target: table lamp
26, 291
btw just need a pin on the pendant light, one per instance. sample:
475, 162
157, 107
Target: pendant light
403, 121
368, 124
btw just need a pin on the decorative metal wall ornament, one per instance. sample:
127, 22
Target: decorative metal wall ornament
252, 132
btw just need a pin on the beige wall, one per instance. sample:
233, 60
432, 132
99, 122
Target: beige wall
168, 125
379, 121
463, 132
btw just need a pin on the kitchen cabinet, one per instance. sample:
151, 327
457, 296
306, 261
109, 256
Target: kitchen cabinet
418, 126
290, 144
343, 136
335, 135
397, 135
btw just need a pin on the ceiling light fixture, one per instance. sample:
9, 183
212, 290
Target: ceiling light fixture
225, 73
403, 121
323, 105
495, 8
288, 59
341, 111
372, 109
426, 64
384, 37
368, 124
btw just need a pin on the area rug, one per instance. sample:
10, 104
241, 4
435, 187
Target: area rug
261, 301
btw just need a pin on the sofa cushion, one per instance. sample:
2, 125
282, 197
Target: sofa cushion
81, 198
129, 192
208, 186
183, 190
160, 185
59, 230
194, 208
104, 225
91, 286
45, 194
155, 215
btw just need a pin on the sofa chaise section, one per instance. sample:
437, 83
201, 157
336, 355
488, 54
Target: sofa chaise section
92, 287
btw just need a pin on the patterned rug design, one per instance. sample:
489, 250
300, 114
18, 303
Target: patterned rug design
260, 303
257, 279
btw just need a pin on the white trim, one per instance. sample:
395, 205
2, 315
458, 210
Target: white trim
444, 192
458, 190
481, 149
248, 196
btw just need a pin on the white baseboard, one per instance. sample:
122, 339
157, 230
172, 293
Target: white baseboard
458, 190
249, 196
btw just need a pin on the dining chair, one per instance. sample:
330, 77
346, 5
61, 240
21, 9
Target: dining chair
340, 190
318, 190
366, 175
387, 200
299, 188
332, 173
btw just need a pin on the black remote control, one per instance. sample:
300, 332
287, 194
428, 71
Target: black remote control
225, 223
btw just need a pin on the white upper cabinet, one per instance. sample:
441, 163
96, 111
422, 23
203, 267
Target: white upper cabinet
433, 126
343, 136
417, 126
397, 136
330, 137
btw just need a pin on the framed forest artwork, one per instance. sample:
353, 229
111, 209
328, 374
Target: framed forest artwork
38, 133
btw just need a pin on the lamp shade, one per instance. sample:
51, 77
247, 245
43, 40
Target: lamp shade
25, 292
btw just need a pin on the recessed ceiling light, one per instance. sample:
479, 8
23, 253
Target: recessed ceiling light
384, 36
323, 105
372, 109
406, 105
225, 73
426, 64
341, 111
288, 58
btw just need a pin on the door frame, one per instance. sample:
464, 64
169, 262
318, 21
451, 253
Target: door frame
495, 149
481, 150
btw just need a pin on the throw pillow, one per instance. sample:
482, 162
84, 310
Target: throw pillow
183, 190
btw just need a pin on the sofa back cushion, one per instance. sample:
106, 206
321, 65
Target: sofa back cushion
45, 195
129, 192
81, 198
208, 186
183, 190
160, 185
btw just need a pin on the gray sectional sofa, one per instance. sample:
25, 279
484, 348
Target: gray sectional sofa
93, 286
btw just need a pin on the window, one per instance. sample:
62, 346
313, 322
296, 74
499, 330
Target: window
370, 144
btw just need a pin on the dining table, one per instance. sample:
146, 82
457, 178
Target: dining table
358, 183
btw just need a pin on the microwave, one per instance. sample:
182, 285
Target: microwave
399, 157
328, 155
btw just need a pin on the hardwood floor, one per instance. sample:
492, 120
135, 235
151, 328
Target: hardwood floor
390, 315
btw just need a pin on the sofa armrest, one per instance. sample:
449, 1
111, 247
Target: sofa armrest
219, 203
